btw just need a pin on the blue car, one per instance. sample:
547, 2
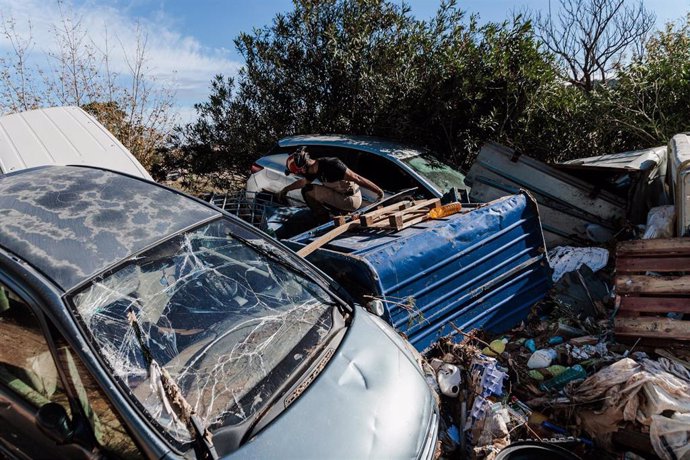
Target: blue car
138, 322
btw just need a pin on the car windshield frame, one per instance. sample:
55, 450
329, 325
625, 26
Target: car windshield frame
222, 315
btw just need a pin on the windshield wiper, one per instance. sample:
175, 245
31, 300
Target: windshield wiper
174, 398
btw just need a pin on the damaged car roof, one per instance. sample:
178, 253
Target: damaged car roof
107, 218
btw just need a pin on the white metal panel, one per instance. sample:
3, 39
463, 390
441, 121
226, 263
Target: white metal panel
634, 159
679, 156
567, 205
62, 136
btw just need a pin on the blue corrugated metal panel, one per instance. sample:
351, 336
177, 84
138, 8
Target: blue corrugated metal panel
484, 268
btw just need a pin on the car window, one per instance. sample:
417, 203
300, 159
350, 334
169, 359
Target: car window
107, 426
224, 317
26, 364
386, 174
443, 176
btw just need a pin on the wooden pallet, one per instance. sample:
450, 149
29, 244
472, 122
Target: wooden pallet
396, 217
643, 300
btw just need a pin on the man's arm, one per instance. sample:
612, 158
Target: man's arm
363, 182
294, 186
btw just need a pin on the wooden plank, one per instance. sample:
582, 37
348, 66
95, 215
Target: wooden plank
397, 220
654, 264
664, 246
652, 285
655, 304
419, 206
652, 327
326, 237
410, 222
371, 217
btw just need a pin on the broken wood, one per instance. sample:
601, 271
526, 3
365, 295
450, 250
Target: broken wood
326, 237
644, 300
413, 215
370, 218
655, 304
584, 340
645, 326
339, 220
653, 264
653, 285
406, 213
663, 247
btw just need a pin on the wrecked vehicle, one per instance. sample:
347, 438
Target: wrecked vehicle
62, 136
138, 322
391, 166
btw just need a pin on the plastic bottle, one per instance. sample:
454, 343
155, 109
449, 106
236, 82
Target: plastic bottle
556, 340
542, 358
530, 345
574, 373
498, 346
445, 210
556, 369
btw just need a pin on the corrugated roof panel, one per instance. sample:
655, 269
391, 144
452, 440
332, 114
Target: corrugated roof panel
634, 159
484, 268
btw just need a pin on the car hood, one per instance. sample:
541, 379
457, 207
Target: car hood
371, 401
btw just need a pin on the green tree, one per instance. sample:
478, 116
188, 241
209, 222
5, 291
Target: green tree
651, 102
370, 67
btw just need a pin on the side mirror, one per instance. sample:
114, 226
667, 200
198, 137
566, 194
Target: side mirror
53, 421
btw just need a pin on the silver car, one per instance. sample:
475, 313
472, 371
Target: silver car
138, 322
391, 166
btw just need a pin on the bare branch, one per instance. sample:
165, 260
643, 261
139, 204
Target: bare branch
590, 38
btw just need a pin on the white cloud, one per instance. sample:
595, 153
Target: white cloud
173, 58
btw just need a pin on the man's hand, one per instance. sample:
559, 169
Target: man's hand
281, 196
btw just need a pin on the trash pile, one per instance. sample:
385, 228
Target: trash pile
561, 381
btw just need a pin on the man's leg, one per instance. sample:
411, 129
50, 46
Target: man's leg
311, 197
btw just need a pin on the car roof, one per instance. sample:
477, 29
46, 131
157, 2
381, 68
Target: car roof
369, 144
73, 222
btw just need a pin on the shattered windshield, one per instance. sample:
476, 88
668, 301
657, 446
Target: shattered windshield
443, 176
229, 323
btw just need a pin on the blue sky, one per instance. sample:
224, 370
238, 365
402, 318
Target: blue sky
191, 41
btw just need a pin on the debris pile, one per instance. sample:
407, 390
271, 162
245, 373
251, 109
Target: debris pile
563, 378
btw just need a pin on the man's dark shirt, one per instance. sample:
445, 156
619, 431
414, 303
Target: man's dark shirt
330, 170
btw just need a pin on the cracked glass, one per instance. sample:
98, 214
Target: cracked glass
226, 316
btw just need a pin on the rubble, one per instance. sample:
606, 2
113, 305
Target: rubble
561, 378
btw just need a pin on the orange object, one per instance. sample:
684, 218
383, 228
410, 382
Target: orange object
445, 210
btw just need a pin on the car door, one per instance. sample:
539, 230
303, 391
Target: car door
29, 379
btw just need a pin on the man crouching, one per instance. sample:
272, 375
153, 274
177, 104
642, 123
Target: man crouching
339, 189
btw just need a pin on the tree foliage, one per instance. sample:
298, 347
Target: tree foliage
370, 67
449, 83
651, 102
